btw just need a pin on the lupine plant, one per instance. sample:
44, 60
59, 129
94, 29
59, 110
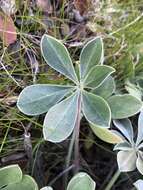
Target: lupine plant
130, 155
11, 178
84, 95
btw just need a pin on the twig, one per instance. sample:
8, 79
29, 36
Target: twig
128, 25
61, 174
3, 66
113, 180
68, 159
19, 33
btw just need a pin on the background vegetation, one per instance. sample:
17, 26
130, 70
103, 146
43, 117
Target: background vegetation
21, 64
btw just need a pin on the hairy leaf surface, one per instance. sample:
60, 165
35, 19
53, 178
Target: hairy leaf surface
10, 174
126, 160
96, 110
27, 183
106, 89
39, 98
91, 55
56, 55
123, 106
125, 126
97, 75
60, 120
81, 181
106, 135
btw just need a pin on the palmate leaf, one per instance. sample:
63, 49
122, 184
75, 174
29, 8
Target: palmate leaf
81, 181
106, 89
123, 106
9, 175
56, 55
91, 55
96, 110
60, 120
39, 98
106, 135
97, 75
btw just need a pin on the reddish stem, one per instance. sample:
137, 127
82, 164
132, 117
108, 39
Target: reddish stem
77, 131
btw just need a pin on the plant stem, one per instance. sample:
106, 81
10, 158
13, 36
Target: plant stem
68, 159
61, 174
70, 150
77, 131
4, 68
113, 180
128, 25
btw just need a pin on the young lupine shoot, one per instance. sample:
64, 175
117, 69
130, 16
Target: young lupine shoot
130, 155
90, 94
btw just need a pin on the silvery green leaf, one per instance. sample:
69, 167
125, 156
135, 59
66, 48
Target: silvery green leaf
123, 146
139, 163
60, 120
57, 57
91, 55
39, 98
139, 184
106, 89
81, 181
126, 160
96, 110
106, 135
125, 126
9, 175
97, 75
27, 183
47, 188
123, 106
140, 128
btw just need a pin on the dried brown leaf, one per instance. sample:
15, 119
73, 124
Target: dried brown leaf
7, 30
45, 5
82, 5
